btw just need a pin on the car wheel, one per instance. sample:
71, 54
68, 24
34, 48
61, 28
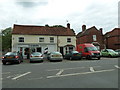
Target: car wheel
4, 63
70, 58
109, 56
19, 61
98, 58
88, 57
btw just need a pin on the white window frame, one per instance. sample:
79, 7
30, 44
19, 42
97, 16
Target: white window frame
51, 39
94, 38
21, 39
41, 39
69, 40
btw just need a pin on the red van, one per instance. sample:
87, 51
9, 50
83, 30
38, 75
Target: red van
88, 50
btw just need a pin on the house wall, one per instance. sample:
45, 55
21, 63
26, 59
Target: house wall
62, 40
32, 42
112, 39
88, 38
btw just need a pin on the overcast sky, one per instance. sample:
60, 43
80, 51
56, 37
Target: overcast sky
99, 13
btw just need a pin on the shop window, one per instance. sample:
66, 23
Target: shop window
51, 39
21, 39
68, 40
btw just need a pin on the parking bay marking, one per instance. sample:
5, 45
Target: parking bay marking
117, 66
60, 72
20, 75
73, 74
92, 69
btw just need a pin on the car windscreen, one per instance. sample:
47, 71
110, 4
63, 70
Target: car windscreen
92, 49
75, 52
110, 50
11, 53
36, 53
55, 53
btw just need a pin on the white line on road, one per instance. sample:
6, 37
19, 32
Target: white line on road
6, 73
92, 69
20, 75
70, 68
35, 78
60, 72
117, 66
1, 78
73, 74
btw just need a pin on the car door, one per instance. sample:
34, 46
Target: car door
105, 53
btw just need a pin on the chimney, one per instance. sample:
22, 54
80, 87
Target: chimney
83, 28
101, 30
68, 25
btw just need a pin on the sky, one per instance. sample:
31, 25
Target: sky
98, 13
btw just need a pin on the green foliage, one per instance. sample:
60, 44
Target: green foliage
6, 38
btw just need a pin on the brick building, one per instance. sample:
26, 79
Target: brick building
112, 39
91, 35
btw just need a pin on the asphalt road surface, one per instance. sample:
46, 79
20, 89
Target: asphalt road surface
66, 74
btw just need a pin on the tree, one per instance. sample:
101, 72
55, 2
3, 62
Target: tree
6, 39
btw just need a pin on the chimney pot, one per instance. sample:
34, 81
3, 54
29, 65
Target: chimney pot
101, 30
68, 25
83, 27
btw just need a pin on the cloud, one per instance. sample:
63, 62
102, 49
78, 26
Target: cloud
31, 4
99, 13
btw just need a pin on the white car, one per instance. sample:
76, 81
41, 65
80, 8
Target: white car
55, 56
36, 56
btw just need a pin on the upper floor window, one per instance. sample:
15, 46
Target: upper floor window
94, 38
41, 39
21, 39
51, 39
68, 39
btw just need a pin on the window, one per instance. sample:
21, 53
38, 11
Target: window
94, 38
21, 39
51, 39
41, 39
68, 39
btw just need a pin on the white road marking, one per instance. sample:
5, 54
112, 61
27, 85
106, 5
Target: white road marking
35, 78
1, 78
117, 66
70, 68
73, 74
20, 75
6, 73
60, 72
65, 68
92, 69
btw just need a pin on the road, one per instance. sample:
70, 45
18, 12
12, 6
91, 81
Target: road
66, 74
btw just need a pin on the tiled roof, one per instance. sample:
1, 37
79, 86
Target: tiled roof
42, 30
86, 32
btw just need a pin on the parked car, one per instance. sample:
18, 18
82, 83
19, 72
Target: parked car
53, 56
109, 53
36, 57
73, 55
118, 51
12, 57
88, 51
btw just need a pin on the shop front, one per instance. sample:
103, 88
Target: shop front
24, 49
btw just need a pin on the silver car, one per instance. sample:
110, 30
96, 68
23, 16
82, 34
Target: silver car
36, 56
53, 56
